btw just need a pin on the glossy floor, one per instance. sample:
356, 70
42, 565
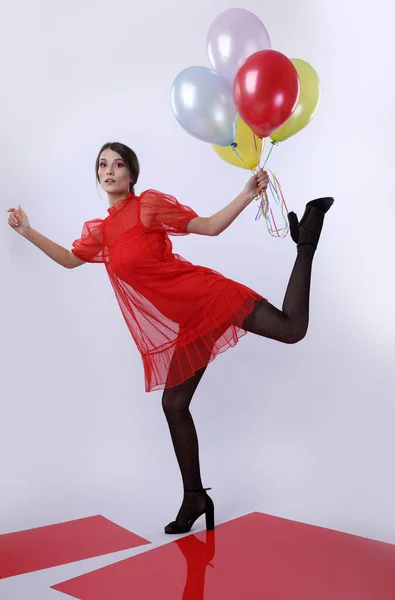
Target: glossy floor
253, 557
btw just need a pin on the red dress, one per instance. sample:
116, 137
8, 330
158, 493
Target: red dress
179, 314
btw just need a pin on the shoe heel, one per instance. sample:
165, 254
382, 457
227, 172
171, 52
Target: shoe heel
323, 204
209, 514
293, 226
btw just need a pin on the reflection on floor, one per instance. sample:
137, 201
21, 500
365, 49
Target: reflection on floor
255, 557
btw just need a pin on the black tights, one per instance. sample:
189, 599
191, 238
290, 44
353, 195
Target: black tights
288, 325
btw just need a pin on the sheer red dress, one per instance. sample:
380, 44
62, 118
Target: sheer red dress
179, 314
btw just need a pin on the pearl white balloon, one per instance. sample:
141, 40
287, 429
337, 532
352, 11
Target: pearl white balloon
202, 102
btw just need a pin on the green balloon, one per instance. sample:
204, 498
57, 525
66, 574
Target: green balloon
309, 99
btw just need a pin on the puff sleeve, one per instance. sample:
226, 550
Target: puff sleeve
89, 247
162, 211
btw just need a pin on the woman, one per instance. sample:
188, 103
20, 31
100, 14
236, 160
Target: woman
181, 315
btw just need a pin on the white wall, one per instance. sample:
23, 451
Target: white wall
305, 431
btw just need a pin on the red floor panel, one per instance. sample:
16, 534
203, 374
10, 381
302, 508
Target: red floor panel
256, 557
54, 545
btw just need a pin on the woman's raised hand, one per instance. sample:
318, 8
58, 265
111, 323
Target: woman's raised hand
18, 220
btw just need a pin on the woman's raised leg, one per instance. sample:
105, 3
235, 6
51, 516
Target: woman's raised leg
290, 324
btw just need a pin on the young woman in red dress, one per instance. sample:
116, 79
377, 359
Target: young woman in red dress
179, 314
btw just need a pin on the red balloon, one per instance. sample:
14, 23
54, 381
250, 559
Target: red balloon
266, 91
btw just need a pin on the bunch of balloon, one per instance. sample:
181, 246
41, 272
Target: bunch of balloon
202, 98
251, 92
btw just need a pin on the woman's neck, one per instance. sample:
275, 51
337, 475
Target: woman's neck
115, 198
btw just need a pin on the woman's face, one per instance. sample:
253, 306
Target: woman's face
113, 174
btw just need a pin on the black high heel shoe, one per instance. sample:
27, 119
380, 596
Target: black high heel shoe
208, 510
309, 236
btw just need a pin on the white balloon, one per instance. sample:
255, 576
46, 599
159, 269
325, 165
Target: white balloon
202, 102
233, 36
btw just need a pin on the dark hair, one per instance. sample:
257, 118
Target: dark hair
129, 157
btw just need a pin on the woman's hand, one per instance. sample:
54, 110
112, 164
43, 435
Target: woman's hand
18, 220
257, 184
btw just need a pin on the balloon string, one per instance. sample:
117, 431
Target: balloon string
233, 146
264, 205
278, 186
266, 211
278, 195
253, 171
264, 202
270, 151
256, 147
275, 189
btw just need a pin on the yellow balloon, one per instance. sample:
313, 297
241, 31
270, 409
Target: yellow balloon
247, 148
309, 99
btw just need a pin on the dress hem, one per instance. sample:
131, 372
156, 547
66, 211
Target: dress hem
229, 333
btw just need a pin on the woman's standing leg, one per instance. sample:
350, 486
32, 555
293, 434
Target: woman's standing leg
176, 402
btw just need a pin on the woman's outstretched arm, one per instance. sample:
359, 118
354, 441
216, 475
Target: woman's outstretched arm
218, 222
19, 221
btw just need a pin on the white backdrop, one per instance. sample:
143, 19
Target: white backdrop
304, 431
